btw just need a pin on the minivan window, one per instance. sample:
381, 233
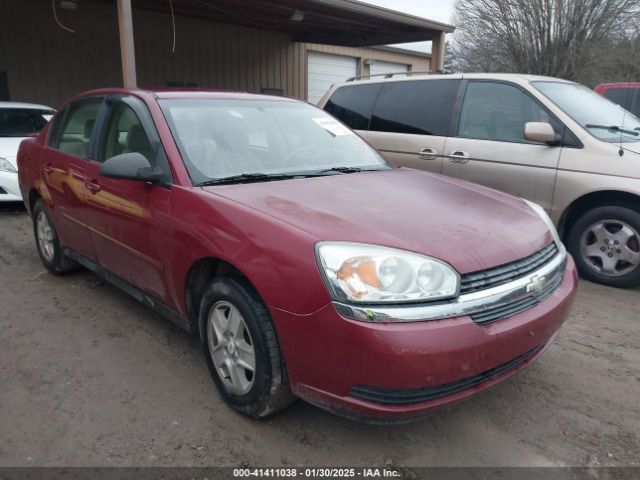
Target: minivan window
498, 111
353, 105
600, 117
421, 107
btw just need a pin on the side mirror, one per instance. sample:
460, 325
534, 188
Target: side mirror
130, 166
541, 132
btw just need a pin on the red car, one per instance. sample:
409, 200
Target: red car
308, 265
625, 94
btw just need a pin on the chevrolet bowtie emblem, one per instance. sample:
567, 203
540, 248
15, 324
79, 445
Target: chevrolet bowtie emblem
536, 285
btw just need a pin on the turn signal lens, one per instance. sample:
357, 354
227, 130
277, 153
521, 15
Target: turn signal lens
371, 274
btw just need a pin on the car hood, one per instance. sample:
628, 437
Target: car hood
9, 148
470, 227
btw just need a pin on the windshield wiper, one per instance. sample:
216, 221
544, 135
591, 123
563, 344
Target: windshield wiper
614, 128
348, 170
255, 177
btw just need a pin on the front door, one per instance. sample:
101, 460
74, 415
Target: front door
64, 163
411, 120
490, 149
129, 219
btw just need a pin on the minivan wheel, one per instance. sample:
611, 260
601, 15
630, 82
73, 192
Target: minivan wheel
605, 243
241, 348
47, 242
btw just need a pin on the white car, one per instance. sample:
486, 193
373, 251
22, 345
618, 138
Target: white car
17, 122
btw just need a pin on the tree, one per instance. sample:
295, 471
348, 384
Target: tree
560, 38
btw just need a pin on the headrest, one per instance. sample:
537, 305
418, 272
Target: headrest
137, 140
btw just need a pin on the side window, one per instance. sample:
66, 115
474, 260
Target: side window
54, 129
75, 133
125, 134
353, 105
620, 96
635, 106
422, 107
497, 111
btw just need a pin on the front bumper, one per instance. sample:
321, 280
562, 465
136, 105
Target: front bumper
332, 360
9, 188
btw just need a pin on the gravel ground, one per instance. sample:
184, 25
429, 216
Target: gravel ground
90, 377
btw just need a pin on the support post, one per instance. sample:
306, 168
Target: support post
127, 50
437, 51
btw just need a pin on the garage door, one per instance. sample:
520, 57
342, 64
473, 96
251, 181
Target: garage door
324, 70
378, 67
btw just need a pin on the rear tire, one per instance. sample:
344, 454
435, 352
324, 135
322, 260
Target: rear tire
241, 348
47, 241
605, 243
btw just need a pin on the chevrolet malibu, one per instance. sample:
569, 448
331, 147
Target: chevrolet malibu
308, 266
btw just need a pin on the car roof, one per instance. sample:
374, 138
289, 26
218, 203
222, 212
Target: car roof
517, 77
191, 93
34, 106
619, 85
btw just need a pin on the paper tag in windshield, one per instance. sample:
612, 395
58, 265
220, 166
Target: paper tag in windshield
332, 126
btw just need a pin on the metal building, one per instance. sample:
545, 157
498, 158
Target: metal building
51, 50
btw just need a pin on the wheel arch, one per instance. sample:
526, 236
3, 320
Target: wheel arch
592, 200
201, 273
34, 195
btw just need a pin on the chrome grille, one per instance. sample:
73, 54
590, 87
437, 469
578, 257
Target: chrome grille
484, 279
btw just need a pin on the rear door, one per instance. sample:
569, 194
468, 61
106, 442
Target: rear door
411, 120
489, 147
64, 163
129, 220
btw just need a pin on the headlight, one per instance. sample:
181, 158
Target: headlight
546, 219
370, 274
5, 166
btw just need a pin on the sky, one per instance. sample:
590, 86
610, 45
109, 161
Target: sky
438, 10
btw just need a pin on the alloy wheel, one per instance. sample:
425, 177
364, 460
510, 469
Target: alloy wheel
611, 247
45, 237
231, 347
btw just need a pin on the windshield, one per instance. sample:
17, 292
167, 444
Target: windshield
226, 138
600, 117
22, 122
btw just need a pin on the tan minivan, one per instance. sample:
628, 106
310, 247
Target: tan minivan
550, 141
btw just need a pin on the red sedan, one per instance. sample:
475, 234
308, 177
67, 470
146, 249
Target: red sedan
308, 265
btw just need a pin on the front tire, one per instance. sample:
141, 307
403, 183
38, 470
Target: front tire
47, 241
605, 243
241, 348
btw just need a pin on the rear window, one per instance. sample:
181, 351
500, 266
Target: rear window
620, 96
353, 105
420, 107
22, 122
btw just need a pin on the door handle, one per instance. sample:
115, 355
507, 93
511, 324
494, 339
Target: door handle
93, 186
427, 153
48, 168
458, 156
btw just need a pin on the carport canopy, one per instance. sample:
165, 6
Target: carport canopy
336, 22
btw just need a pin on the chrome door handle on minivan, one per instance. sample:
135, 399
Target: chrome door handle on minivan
458, 156
427, 153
